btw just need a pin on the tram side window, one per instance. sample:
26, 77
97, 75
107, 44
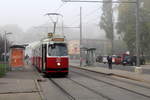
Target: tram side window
57, 50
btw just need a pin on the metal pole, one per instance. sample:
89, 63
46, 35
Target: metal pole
137, 35
54, 27
112, 29
5, 50
80, 36
62, 25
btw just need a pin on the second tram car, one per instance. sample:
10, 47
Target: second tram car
50, 55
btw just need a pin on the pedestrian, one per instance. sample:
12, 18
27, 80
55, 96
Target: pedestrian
109, 59
27, 59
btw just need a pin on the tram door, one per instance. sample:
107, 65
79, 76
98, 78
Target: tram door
44, 57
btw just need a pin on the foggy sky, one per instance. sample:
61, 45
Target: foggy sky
27, 14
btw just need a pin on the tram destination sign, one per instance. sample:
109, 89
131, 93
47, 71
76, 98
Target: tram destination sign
58, 39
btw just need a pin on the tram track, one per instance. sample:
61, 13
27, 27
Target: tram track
81, 85
70, 97
93, 78
119, 80
94, 91
75, 79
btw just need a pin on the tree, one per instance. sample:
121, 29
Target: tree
106, 22
2, 45
127, 24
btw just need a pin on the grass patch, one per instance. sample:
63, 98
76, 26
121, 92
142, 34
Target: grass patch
2, 70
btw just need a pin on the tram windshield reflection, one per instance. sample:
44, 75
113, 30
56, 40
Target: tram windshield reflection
57, 50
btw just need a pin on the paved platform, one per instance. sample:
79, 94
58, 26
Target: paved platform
20, 85
125, 74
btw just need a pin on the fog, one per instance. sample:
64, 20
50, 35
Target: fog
27, 21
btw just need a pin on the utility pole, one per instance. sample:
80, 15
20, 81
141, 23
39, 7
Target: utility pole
137, 35
54, 28
5, 52
81, 37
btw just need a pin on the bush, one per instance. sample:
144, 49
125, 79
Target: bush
2, 69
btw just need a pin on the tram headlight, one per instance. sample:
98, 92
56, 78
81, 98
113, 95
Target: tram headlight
58, 64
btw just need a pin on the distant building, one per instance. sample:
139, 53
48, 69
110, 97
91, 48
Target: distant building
103, 47
74, 47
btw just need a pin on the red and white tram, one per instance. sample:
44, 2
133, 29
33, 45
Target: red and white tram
50, 55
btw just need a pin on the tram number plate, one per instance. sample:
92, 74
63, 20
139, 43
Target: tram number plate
58, 60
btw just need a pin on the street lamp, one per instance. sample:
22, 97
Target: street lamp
5, 47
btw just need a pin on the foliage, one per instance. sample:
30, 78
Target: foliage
127, 24
106, 22
2, 69
2, 45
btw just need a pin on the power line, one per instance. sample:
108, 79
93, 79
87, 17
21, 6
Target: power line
99, 1
62, 5
92, 19
74, 21
88, 14
93, 11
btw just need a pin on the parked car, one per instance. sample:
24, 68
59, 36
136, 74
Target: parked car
118, 60
142, 60
127, 60
131, 60
99, 59
113, 59
104, 60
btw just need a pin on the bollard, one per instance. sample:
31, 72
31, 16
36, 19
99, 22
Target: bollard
138, 70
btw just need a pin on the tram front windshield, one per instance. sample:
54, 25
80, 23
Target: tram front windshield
57, 50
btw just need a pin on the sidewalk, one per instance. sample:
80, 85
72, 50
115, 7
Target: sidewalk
125, 74
20, 85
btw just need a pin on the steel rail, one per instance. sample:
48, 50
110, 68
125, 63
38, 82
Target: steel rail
111, 84
62, 89
108, 76
96, 92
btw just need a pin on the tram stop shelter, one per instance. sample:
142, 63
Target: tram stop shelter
89, 55
16, 57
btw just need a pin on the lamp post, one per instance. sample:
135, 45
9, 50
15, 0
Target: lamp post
137, 35
5, 48
81, 45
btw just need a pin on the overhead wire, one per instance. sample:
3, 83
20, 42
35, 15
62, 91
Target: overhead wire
78, 16
61, 6
93, 11
91, 14
74, 21
85, 16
